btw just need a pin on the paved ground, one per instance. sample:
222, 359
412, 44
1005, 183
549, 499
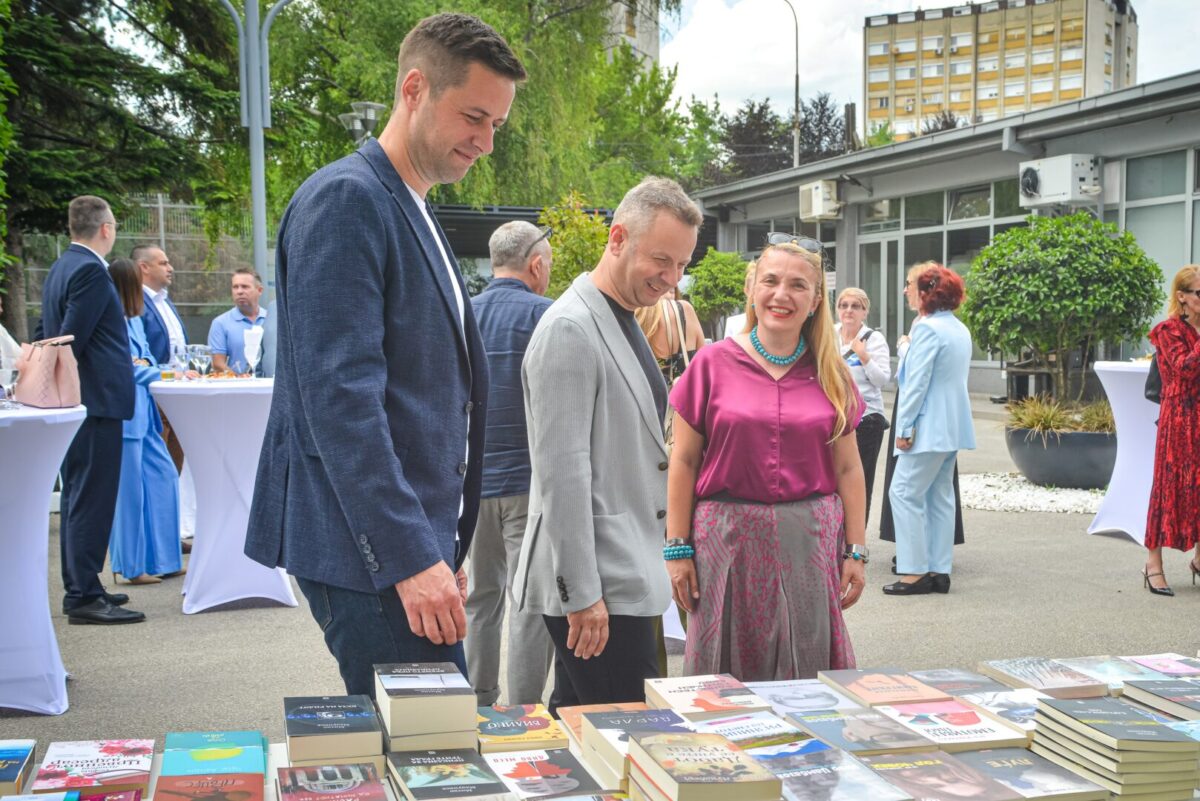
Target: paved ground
1023, 584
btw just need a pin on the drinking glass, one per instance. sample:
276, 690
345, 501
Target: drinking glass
200, 357
252, 354
7, 378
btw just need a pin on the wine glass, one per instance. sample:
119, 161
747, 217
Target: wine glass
200, 357
252, 354
7, 377
252, 346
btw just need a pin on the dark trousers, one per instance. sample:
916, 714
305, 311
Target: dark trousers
91, 476
364, 629
172, 439
870, 437
618, 674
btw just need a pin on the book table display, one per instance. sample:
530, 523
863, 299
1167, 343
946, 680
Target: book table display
221, 424
1127, 500
32, 445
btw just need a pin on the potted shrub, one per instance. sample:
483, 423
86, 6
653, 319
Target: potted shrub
1054, 287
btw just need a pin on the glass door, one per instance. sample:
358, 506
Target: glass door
882, 278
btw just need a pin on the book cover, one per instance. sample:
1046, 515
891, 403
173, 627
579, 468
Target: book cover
422, 679
883, 686
800, 695
1016, 707
1112, 671
1178, 697
1168, 664
69, 795
210, 761
194, 740
696, 758
814, 771
517, 728
755, 730
329, 714
331, 783
607, 733
537, 773
16, 763
571, 717
957, 682
1032, 776
214, 787
954, 725
1047, 675
700, 697
125, 795
108, 764
458, 773
1116, 724
937, 776
861, 731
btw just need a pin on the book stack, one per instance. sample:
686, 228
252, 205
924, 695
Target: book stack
571, 718
1044, 675
696, 767
937, 776
1176, 697
813, 771
1118, 746
333, 730
343, 782
542, 773
199, 765
425, 705
16, 764
605, 740
518, 728
1032, 776
703, 697
96, 767
443, 775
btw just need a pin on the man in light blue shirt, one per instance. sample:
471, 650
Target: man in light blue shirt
226, 335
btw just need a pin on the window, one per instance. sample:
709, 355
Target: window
931, 43
905, 126
935, 14
1014, 34
969, 203
1014, 61
989, 64
877, 49
1016, 3
1160, 230
1070, 82
987, 116
876, 21
877, 76
960, 67
907, 16
1008, 199
906, 102
962, 246
906, 46
1043, 29
906, 73
1072, 25
933, 70
879, 102
989, 91
922, 211
988, 37
1108, 58
1040, 85
990, 7
960, 40
932, 99
881, 215
1160, 175
1071, 53
1043, 57
1014, 89
958, 96
1107, 85
962, 11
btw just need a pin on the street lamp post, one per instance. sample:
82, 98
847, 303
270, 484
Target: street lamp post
796, 106
254, 81
360, 122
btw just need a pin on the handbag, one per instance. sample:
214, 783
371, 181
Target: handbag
1153, 388
48, 375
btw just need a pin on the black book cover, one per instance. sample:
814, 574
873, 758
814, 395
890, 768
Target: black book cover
329, 714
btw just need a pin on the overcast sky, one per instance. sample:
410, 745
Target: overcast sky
743, 49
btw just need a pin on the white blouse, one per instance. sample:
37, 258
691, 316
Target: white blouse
871, 377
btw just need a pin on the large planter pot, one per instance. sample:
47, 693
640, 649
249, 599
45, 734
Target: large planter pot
1075, 459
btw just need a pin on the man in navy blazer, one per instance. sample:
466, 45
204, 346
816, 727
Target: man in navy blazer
164, 326
79, 298
369, 478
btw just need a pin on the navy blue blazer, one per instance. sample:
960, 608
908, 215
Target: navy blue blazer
79, 298
364, 461
156, 329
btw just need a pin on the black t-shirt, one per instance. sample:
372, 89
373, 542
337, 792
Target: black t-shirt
645, 356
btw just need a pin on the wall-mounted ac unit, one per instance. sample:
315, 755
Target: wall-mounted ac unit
954, 49
1068, 179
818, 201
938, 51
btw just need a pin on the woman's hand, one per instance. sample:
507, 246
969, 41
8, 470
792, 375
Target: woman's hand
904, 443
860, 349
854, 578
684, 587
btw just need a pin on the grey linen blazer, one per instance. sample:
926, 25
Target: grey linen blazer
598, 496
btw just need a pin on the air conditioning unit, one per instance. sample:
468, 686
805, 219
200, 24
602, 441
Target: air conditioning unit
953, 50
818, 201
938, 51
896, 50
1068, 179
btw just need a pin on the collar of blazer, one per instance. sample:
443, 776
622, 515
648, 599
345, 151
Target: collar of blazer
373, 153
623, 355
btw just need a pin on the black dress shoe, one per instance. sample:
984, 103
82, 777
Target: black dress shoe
103, 613
114, 598
922, 586
941, 582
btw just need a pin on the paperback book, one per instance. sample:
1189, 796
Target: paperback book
212, 761
862, 731
540, 773
801, 696
1045, 675
127, 795
1146, 786
881, 687
955, 726
755, 730
684, 767
1015, 707
330, 783
109, 765
443, 775
1112, 671
224, 786
571, 718
424, 698
196, 740
937, 776
813, 771
606, 734
518, 728
956, 682
1176, 665
16, 764
1032, 776
703, 697
331, 727
1115, 724
1177, 697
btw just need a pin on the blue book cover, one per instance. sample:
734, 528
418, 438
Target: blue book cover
14, 755
208, 761
189, 740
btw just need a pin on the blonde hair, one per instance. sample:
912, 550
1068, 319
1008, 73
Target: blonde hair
832, 372
1186, 275
747, 288
649, 318
857, 294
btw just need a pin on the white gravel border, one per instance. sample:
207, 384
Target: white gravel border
1012, 492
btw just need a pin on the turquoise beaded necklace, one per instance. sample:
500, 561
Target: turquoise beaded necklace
782, 361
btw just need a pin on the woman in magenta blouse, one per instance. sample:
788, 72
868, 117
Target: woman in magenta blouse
765, 486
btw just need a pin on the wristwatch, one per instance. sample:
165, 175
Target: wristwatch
859, 553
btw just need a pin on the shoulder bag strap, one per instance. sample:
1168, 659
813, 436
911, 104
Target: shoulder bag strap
679, 328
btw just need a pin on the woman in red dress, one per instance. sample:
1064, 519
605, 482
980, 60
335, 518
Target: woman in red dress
1174, 519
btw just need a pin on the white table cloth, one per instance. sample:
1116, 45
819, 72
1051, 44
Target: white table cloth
221, 424
33, 443
1127, 501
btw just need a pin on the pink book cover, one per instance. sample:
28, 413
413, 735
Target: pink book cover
95, 763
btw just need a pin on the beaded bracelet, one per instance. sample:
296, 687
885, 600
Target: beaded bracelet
673, 552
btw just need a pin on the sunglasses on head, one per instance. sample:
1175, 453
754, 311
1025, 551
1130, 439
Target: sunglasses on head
802, 242
546, 232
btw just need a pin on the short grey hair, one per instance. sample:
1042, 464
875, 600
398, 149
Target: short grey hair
509, 242
642, 204
85, 215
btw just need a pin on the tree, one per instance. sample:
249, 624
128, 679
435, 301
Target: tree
1058, 285
579, 238
880, 135
705, 158
822, 129
944, 120
717, 287
758, 141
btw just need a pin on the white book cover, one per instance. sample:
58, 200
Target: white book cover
709, 696
1016, 707
753, 730
800, 696
1112, 671
952, 724
538, 773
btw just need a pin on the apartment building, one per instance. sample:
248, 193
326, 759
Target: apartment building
636, 23
992, 59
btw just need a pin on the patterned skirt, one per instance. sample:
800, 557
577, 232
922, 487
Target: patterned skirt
770, 577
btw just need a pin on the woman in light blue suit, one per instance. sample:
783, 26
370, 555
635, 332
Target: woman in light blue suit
933, 422
145, 534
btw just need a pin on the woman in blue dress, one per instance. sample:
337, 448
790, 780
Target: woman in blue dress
145, 535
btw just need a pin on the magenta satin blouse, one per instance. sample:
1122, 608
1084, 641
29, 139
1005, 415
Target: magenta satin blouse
765, 440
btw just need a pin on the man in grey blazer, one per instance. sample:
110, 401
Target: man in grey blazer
368, 481
591, 563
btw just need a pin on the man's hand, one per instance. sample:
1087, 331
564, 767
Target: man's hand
461, 578
433, 602
588, 633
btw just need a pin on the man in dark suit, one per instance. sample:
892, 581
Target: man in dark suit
369, 479
79, 298
164, 326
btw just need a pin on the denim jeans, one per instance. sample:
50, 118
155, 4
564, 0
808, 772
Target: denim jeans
366, 629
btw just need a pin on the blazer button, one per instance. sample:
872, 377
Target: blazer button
373, 567
462, 468
366, 549
662, 465
661, 513
468, 406
362, 540
563, 595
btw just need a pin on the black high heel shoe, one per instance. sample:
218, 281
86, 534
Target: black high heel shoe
1167, 591
922, 586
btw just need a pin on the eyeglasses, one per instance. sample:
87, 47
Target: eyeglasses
806, 243
1195, 292
546, 232
856, 306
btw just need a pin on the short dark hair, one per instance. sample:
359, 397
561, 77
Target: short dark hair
250, 271
85, 215
444, 46
139, 252
939, 289
128, 278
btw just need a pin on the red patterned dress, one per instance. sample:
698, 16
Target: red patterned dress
1174, 518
